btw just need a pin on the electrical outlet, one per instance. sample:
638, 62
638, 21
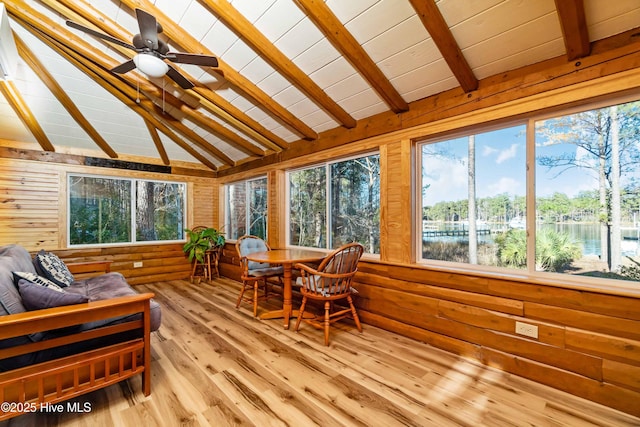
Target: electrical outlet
137, 264
527, 329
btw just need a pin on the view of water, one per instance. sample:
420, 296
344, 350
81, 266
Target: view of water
587, 234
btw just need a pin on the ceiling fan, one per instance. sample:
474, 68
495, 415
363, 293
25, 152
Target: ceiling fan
152, 52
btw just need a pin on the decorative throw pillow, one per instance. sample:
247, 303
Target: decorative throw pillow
36, 297
53, 268
34, 278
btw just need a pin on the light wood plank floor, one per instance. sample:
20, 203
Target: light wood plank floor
218, 366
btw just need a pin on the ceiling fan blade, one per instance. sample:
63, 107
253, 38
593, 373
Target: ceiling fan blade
192, 58
179, 78
100, 35
148, 28
125, 67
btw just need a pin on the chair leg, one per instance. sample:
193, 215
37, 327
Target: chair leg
244, 288
300, 313
327, 321
354, 313
255, 298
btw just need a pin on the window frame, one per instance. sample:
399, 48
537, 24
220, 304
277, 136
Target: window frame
227, 207
327, 166
132, 201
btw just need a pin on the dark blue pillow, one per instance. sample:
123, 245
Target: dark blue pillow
36, 297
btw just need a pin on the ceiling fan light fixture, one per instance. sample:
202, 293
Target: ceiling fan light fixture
150, 65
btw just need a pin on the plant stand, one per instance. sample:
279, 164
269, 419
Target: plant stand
208, 265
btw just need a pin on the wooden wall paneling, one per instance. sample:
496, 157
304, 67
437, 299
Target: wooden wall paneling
276, 208
612, 348
204, 209
396, 243
601, 323
621, 374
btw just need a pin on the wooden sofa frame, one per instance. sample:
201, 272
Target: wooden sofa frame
29, 388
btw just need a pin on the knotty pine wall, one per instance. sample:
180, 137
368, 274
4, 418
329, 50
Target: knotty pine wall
33, 214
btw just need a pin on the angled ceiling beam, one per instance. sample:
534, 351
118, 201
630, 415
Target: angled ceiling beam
200, 119
188, 43
344, 42
43, 74
157, 142
435, 24
13, 97
43, 26
87, 14
269, 52
574, 28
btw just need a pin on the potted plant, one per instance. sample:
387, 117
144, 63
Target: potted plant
200, 240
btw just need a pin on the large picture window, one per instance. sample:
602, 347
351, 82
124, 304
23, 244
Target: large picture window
583, 192
246, 208
473, 196
588, 193
104, 210
336, 203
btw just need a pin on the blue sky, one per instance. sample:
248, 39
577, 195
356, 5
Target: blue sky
500, 168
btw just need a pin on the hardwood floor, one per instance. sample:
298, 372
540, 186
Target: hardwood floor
215, 365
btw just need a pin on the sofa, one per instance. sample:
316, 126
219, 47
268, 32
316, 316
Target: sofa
62, 336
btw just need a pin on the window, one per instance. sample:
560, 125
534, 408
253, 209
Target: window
336, 203
583, 191
473, 193
588, 193
246, 203
114, 210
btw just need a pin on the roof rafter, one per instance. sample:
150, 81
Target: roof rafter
12, 94
254, 38
344, 42
157, 142
574, 28
437, 27
188, 43
43, 74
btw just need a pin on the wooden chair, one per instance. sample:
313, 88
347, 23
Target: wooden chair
330, 282
254, 273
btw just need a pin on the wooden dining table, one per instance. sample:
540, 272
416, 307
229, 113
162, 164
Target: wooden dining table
287, 258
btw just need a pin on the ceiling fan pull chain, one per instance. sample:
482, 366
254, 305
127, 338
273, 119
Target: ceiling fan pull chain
137, 90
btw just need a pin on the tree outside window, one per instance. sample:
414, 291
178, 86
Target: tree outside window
336, 203
111, 210
246, 208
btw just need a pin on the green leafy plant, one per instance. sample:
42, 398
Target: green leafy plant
200, 240
554, 250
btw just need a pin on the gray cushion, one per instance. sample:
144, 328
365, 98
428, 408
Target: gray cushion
53, 268
249, 246
268, 271
36, 297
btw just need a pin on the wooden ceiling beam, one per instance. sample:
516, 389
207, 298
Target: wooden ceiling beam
43, 74
157, 142
13, 97
188, 43
270, 53
437, 27
345, 43
88, 15
574, 28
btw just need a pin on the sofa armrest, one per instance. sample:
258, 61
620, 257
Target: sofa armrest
89, 267
30, 322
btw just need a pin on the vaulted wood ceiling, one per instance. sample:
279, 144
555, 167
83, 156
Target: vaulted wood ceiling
289, 70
